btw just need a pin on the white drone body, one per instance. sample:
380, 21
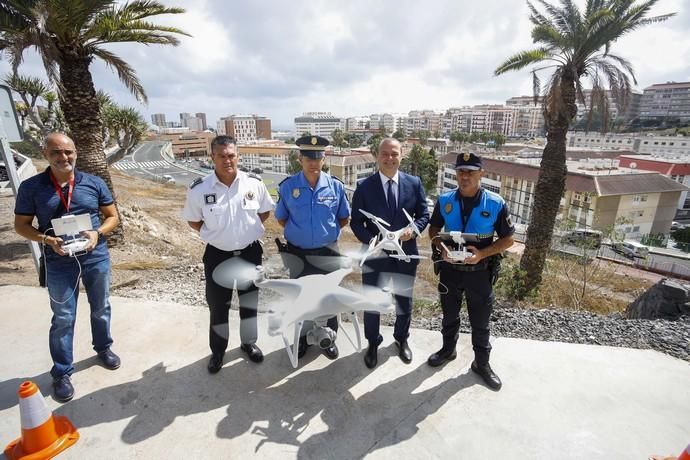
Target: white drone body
317, 298
389, 240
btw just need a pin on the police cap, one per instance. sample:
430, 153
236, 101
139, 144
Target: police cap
468, 161
312, 146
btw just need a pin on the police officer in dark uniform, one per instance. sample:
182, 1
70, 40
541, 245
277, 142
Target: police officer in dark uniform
312, 208
470, 209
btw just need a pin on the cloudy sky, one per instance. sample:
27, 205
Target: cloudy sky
280, 59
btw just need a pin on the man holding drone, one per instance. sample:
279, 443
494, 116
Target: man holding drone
473, 210
390, 195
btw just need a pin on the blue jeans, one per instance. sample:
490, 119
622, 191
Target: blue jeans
61, 279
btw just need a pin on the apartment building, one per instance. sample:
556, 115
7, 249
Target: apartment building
678, 169
246, 129
666, 101
158, 119
422, 120
350, 165
669, 146
189, 144
319, 124
202, 116
598, 194
270, 158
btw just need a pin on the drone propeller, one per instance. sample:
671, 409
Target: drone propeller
396, 283
237, 270
406, 257
412, 224
374, 218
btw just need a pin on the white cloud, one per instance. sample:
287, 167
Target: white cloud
280, 59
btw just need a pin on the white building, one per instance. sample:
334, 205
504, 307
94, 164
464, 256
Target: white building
668, 146
318, 123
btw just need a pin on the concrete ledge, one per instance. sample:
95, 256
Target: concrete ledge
559, 400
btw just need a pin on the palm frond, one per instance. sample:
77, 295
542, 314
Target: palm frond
523, 59
125, 72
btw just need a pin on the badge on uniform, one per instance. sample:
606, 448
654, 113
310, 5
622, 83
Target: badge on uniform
295, 193
466, 156
448, 208
485, 213
249, 203
210, 198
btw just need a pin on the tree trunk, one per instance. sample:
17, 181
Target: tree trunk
548, 193
82, 114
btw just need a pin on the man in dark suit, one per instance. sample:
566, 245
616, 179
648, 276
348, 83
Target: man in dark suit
385, 194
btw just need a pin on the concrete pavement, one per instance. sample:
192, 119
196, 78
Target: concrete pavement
559, 400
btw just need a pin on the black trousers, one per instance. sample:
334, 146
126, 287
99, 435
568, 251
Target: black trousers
319, 261
477, 290
219, 297
381, 272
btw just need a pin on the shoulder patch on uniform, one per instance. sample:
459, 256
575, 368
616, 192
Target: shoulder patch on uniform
281, 182
196, 182
254, 176
337, 178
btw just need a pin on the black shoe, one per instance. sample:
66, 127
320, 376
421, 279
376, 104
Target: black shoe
404, 351
109, 359
253, 352
331, 352
302, 349
442, 356
215, 363
63, 389
371, 356
488, 375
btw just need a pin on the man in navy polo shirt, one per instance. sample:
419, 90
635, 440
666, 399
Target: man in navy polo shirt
62, 190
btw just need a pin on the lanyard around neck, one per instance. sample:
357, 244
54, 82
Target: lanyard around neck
65, 202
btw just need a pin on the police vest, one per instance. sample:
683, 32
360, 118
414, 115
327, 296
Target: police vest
482, 220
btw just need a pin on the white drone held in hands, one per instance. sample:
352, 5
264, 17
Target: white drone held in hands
389, 240
309, 298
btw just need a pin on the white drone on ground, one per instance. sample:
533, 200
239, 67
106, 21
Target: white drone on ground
309, 298
389, 240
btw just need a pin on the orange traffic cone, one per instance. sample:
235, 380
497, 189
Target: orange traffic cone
44, 435
685, 455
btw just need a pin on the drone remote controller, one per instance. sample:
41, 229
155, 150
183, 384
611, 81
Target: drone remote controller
456, 256
76, 246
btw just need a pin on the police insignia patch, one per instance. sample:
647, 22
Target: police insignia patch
448, 208
295, 193
210, 198
466, 156
249, 195
314, 141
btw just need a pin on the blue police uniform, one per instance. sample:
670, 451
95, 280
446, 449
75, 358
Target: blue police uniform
312, 214
312, 226
485, 214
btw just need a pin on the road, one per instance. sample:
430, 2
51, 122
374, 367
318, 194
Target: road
147, 162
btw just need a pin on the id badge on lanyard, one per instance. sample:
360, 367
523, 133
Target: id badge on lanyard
68, 201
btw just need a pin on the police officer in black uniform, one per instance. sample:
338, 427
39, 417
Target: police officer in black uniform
469, 209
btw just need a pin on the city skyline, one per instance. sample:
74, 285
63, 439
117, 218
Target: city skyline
279, 60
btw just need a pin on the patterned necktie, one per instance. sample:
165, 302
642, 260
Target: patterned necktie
391, 198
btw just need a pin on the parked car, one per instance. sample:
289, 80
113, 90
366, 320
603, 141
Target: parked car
631, 249
244, 169
677, 225
168, 179
258, 171
583, 237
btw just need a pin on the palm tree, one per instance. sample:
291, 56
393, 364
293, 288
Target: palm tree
30, 90
125, 125
574, 45
68, 35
